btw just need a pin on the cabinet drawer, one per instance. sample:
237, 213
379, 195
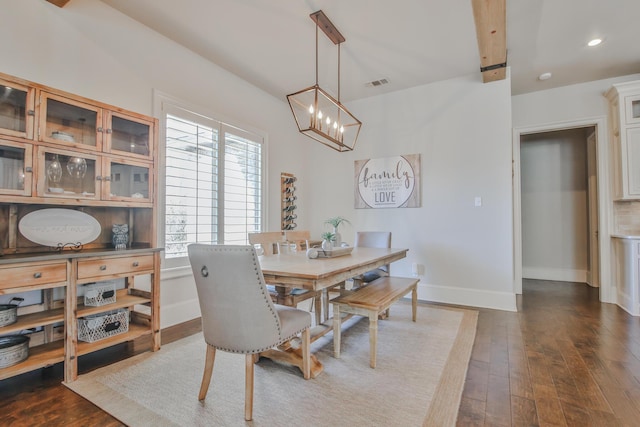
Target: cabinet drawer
15, 277
102, 267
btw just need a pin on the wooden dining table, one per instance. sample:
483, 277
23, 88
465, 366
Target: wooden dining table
296, 270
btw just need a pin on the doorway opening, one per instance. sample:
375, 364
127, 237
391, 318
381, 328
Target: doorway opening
561, 201
558, 187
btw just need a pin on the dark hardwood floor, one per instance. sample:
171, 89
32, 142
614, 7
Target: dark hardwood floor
563, 359
38, 398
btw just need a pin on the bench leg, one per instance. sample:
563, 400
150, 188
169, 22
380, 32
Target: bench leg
373, 337
336, 331
414, 302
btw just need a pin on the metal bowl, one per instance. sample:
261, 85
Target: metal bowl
13, 349
9, 312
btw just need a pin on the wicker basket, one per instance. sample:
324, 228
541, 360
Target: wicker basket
101, 293
99, 326
13, 349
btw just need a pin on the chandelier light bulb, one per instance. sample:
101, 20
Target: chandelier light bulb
310, 109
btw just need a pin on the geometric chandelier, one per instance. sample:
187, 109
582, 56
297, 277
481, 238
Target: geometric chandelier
319, 115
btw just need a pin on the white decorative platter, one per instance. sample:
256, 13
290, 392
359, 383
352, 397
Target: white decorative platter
62, 136
51, 227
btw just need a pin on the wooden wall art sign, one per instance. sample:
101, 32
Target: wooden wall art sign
388, 182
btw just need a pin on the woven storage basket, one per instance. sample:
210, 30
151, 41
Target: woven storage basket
101, 293
99, 326
13, 349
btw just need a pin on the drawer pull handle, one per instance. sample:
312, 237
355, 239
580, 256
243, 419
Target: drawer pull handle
37, 275
103, 267
136, 264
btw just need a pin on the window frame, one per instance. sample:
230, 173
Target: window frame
164, 105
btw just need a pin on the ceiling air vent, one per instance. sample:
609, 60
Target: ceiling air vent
377, 83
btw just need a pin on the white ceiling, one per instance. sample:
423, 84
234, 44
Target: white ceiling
271, 43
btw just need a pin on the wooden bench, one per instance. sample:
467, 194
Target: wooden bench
370, 301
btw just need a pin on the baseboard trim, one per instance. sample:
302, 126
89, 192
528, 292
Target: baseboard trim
556, 274
174, 314
467, 297
625, 302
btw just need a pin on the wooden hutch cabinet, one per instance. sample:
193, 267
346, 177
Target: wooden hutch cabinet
62, 151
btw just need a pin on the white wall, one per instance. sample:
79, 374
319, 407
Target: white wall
462, 129
569, 103
554, 205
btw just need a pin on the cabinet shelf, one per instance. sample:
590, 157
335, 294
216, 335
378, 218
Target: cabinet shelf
33, 320
123, 300
134, 332
39, 357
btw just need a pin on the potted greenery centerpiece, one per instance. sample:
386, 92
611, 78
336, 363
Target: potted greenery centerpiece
327, 240
335, 222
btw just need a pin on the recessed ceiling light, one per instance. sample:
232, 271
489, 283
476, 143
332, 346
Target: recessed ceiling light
594, 42
544, 76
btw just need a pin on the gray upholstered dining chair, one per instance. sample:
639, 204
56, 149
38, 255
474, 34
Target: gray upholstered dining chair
238, 315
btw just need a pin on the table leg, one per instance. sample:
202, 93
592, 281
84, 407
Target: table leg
336, 331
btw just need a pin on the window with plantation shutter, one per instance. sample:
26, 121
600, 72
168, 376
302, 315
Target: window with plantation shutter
213, 182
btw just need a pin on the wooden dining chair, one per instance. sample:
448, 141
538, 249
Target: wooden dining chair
269, 241
237, 314
298, 237
372, 239
302, 239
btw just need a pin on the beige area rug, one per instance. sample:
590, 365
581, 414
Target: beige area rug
418, 380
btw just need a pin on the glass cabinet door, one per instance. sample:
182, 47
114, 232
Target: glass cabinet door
15, 168
68, 174
127, 180
16, 109
69, 122
128, 135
